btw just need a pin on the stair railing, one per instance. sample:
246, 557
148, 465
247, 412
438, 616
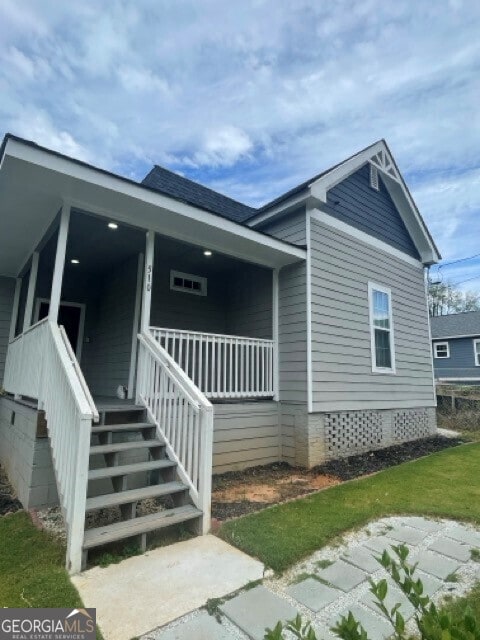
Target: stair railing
183, 416
58, 385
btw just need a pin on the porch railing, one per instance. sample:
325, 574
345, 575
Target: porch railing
222, 366
41, 365
183, 416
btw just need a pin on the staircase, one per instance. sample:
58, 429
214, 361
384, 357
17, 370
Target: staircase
129, 464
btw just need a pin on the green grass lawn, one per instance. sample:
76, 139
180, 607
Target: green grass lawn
442, 484
32, 567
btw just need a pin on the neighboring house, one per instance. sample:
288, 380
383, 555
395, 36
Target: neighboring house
456, 347
297, 332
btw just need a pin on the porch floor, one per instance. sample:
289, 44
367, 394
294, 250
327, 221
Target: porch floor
105, 403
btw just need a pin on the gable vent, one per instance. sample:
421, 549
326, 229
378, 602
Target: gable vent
374, 177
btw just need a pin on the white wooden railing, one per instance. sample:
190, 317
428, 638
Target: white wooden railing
183, 416
222, 366
41, 365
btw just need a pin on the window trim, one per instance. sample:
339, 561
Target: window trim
476, 351
372, 286
441, 344
188, 276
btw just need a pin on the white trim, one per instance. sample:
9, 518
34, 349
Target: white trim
476, 351
275, 317
343, 227
16, 302
374, 179
287, 253
81, 321
372, 286
32, 283
188, 276
147, 281
136, 328
56, 291
435, 350
309, 312
427, 311
281, 209
468, 335
456, 379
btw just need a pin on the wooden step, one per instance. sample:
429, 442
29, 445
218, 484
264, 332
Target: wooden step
125, 446
134, 426
134, 495
126, 469
145, 524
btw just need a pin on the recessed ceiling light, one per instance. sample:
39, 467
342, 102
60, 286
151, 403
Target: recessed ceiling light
112, 225
75, 261
207, 253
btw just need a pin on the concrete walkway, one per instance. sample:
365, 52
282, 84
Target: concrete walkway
144, 592
335, 580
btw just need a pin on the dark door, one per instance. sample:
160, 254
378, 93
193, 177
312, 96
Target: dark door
69, 317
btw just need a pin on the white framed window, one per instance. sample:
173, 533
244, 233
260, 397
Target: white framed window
476, 351
374, 177
188, 283
381, 329
441, 350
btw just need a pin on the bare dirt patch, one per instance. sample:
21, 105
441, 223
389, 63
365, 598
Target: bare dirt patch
237, 493
240, 492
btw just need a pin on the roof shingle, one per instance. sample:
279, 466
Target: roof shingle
456, 324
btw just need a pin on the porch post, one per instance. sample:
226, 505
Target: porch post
147, 281
32, 283
275, 308
16, 302
56, 292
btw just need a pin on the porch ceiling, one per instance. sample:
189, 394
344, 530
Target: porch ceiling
34, 181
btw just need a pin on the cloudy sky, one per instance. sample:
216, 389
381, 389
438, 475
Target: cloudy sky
254, 96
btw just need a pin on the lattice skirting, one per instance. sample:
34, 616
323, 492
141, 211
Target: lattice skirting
411, 424
348, 432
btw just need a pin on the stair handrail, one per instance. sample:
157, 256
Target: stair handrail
183, 416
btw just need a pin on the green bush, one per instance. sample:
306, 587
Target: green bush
432, 623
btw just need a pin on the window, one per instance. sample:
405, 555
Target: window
476, 351
381, 329
441, 350
374, 177
188, 283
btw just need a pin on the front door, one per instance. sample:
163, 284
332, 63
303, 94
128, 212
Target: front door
71, 316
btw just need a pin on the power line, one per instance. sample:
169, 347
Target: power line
447, 264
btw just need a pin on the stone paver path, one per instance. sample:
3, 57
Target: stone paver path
335, 580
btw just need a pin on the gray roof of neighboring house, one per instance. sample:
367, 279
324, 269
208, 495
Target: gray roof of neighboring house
174, 185
456, 324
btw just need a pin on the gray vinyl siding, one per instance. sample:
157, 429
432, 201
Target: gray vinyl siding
353, 201
183, 310
245, 435
342, 377
109, 327
238, 302
293, 333
7, 291
249, 303
290, 227
461, 363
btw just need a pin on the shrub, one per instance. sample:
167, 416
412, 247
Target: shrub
432, 623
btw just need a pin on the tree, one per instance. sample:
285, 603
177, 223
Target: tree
445, 298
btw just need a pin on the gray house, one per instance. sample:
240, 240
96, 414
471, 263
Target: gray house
456, 347
154, 333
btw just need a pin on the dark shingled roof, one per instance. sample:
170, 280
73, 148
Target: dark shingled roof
456, 324
174, 185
